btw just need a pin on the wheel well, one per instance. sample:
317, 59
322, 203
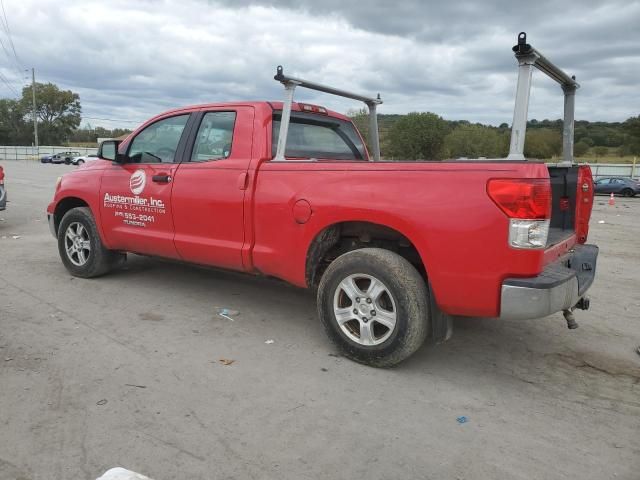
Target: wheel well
341, 238
64, 206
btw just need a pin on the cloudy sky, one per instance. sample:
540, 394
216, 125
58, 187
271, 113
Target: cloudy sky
130, 59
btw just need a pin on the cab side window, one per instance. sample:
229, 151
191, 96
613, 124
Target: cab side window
215, 137
158, 142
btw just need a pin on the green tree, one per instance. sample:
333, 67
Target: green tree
58, 112
600, 151
90, 134
418, 136
632, 129
542, 143
632, 126
473, 141
623, 150
580, 148
360, 118
14, 130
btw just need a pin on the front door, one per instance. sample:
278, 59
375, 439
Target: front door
136, 208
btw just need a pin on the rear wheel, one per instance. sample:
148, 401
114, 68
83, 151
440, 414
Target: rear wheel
627, 192
374, 306
81, 248
67, 161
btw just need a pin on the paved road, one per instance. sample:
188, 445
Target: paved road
124, 370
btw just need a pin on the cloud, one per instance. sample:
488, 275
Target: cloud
132, 59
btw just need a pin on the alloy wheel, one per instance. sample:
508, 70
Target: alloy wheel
365, 309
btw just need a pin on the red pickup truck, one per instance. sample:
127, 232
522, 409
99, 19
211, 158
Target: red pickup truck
289, 190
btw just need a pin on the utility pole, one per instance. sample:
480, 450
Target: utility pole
35, 116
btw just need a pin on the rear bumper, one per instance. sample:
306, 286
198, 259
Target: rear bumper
560, 286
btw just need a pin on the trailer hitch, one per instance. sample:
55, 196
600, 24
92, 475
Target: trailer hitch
571, 320
583, 304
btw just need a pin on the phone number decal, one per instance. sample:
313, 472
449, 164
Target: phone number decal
135, 219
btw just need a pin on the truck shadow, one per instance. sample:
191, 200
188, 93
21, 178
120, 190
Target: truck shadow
541, 355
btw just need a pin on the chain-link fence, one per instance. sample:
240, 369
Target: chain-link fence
31, 153
599, 170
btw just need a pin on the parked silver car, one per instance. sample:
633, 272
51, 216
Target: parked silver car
64, 157
626, 187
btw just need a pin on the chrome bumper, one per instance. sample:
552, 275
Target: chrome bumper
52, 225
559, 287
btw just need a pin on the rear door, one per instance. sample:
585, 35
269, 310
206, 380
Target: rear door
616, 185
210, 185
136, 208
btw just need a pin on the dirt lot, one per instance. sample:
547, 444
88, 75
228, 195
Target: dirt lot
124, 370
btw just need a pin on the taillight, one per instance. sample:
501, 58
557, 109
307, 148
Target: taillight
584, 202
528, 198
527, 203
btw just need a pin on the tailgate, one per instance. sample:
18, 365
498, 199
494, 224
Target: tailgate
571, 204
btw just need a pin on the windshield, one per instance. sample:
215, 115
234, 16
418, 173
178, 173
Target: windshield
316, 136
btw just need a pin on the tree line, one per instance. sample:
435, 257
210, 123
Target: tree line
426, 135
58, 114
417, 135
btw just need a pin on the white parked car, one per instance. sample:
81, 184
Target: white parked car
64, 157
84, 158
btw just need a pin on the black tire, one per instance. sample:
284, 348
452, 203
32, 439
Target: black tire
79, 162
99, 260
627, 192
407, 293
67, 161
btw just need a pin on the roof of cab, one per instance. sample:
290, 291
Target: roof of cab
273, 105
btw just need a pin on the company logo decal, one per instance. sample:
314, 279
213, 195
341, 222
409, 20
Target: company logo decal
135, 211
137, 182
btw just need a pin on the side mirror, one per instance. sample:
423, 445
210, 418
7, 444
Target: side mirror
109, 151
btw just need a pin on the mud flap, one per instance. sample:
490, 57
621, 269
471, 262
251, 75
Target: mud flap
441, 327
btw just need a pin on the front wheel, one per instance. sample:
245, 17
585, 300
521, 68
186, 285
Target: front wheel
79, 162
374, 306
81, 248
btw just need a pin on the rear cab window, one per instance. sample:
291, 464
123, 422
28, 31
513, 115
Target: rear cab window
313, 136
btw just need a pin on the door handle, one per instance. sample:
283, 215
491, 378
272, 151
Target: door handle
164, 178
243, 181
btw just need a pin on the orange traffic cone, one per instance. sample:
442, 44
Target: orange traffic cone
612, 200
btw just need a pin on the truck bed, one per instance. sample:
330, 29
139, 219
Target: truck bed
442, 207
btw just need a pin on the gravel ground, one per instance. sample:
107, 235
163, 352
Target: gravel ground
125, 371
